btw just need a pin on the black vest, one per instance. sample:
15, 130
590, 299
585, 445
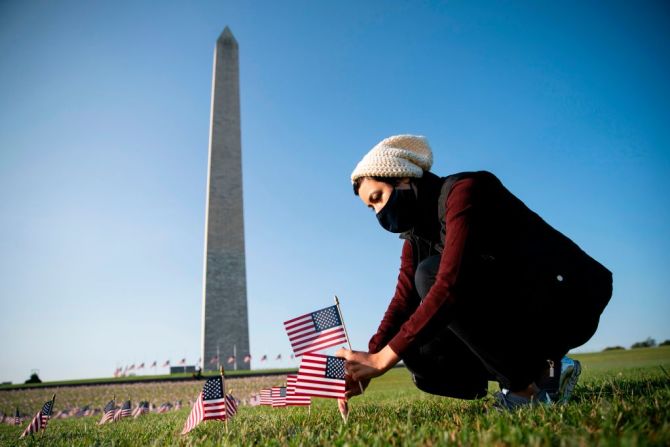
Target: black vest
510, 250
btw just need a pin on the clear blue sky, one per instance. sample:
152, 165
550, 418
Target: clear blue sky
104, 121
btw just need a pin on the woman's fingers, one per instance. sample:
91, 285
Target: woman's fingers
343, 353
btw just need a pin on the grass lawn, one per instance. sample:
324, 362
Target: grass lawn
622, 399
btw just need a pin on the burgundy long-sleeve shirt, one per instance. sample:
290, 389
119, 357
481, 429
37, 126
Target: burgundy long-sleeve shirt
405, 320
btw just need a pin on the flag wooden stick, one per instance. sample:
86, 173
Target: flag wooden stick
53, 402
346, 334
223, 386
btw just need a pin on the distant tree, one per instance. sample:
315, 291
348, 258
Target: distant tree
34, 378
614, 348
665, 343
648, 343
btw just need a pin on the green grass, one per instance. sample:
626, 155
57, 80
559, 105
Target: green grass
622, 399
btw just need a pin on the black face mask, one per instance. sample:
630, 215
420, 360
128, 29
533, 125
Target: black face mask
399, 213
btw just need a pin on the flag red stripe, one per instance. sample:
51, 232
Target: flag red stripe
293, 320
298, 342
314, 385
321, 344
300, 326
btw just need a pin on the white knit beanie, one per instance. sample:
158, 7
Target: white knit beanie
396, 156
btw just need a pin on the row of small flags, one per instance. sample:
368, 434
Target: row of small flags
87, 410
112, 414
319, 375
281, 396
120, 371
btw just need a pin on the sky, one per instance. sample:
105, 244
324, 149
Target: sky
104, 127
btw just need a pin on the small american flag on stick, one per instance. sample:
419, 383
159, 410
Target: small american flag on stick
231, 405
123, 412
315, 331
41, 419
278, 396
321, 376
142, 407
108, 412
211, 405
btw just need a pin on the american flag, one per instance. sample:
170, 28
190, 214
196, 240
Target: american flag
40, 420
231, 405
247, 358
182, 361
278, 396
254, 400
164, 408
293, 399
315, 331
264, 358
123, 412
142, 407
321, 375
83, 411
167, 363
141, 366
214, 360
17, 417
154, 364
266, 397
278, 357
108, 412
231, 360
211, 404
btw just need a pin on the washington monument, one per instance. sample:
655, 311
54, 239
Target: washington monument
225, 327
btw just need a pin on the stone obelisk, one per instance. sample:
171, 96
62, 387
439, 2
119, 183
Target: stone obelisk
225, 327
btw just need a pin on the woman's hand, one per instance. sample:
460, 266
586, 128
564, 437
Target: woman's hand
362, 366
354, 388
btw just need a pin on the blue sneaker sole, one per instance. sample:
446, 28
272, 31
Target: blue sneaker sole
568, 384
